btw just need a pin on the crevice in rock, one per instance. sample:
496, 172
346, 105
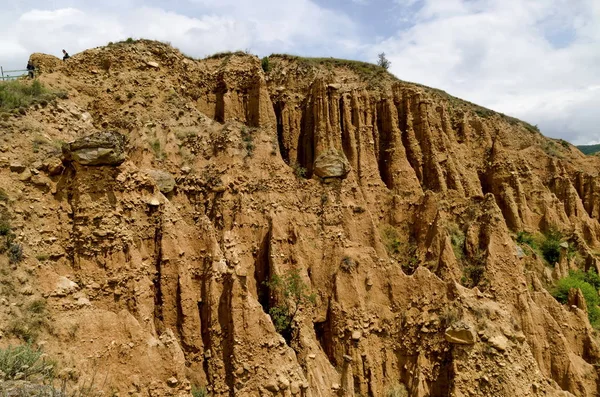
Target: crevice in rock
386, 145
253, 103
324, 334
205, 314
283, 149
484, 182
306, 140
411, 146
158, 295
346, 141
367, 374
227, 329
440, 387
262, 272
220, 105
179, 312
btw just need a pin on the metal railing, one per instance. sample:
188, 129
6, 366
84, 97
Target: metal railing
6, 75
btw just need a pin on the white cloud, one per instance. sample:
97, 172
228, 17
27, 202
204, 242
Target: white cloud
497, 53
204, 27
534, 59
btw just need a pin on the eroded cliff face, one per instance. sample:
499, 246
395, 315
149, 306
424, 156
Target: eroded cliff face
170, 282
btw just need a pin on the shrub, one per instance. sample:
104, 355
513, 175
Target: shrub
590, 294
299, 171
156, 148
42, 257
526, 238
457, 238
199, 391
289, 293
391, 239
4, 226
15, 252
248, 141
348, 264
265, 64
38, 306
551, 246
24, 360
396, 390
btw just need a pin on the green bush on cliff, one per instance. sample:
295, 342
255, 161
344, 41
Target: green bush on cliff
551, 246
577, 280
289, 292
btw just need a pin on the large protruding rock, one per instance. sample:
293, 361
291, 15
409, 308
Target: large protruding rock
331, 164
102, 148
461, 334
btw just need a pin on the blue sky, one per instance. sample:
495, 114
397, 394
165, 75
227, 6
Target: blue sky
538, 60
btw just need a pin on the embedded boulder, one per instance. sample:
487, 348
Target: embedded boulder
331, 164
164, 180
102, 148
461, 334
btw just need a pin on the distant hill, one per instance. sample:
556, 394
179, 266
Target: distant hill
589, 149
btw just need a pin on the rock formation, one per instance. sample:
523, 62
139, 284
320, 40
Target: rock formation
409, 248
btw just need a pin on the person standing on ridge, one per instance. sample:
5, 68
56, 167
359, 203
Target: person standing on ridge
65, 55
30, 69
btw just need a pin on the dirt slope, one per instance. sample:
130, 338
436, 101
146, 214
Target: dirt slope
398, 204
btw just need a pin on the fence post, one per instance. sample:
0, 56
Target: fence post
2, 72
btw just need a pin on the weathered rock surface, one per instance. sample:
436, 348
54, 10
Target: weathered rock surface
417, 234
461, 334
101, 148
164, 180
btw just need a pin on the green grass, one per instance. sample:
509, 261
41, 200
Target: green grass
21, 94
589, 149
364, 69
199, 391
524, 237
24, 360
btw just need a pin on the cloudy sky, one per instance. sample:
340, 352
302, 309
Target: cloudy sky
538, 60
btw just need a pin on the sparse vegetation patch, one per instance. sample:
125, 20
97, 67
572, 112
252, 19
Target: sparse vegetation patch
24, 361
22, 94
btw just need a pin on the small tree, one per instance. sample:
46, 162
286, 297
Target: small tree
383, 61
289, 292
